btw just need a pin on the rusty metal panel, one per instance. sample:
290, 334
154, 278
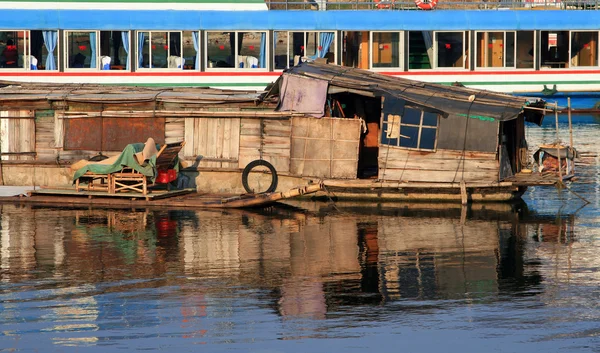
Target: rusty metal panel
118, 132
111, 134
83, 134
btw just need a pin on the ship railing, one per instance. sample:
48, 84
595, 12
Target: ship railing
391, 5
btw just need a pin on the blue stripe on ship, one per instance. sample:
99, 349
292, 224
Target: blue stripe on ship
300, 20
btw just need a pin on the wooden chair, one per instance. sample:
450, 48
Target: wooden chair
129, 179
94, 182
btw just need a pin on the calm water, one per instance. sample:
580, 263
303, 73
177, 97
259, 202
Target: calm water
311, 277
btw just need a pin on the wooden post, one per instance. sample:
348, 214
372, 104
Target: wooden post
557, 143
464, 198
570, 123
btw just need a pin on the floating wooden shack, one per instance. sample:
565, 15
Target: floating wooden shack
359, 133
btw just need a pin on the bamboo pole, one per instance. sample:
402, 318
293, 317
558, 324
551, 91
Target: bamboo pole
570, 123
557, 143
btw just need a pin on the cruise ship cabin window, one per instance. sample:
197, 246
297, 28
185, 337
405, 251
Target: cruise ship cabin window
525, 52
451, 50
236, 50
291, 48
161, 50
584, 49
44, 50
114, 50
495, 49
386, 49
13, 49
82, 49
554, 49
355, 49
420, 50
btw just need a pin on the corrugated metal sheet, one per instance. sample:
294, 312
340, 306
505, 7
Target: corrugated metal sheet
445, 100
116, 133
300, 20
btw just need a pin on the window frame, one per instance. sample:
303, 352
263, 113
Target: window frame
571, 66
401, 57
66, 47
168, 40
385, 126
205, 62
504, 51
466, 36
26, 51
332, 48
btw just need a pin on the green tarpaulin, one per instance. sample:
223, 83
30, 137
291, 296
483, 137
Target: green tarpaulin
126, 159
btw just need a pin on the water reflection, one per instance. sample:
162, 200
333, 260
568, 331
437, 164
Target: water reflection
95, 276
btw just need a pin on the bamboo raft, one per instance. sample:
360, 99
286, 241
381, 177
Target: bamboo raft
187, 198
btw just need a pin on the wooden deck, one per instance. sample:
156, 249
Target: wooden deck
187, 198
535, 179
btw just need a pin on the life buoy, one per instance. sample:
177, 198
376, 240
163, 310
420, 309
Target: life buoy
426, 4
384, 4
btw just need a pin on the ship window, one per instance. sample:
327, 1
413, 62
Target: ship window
385, 49
420, 50
584, 49
495, 49
176, 50
554, 49
451, 50
355, 49
414, 129
291, 48
525, 53
96, 50
44, 50
239, 50
13, 49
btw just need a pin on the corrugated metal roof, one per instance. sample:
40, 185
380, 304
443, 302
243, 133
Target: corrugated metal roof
445, 100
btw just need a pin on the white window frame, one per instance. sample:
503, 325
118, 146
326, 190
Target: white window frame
503, 67
138, 49
65, 50
333, 47
27, 49
401, 57
235, 68
597, 50
466, 58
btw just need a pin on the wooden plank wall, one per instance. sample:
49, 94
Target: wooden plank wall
325, 147
17, 129
215, 139
440, 166
268, 139
45, 144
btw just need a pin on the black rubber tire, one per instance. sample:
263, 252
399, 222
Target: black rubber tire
252, 165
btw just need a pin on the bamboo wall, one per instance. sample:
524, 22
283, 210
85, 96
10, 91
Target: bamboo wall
440, 166
325, 147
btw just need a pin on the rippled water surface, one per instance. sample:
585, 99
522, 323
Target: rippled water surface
311, 277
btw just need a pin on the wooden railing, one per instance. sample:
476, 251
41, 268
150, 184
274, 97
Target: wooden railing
391, 5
